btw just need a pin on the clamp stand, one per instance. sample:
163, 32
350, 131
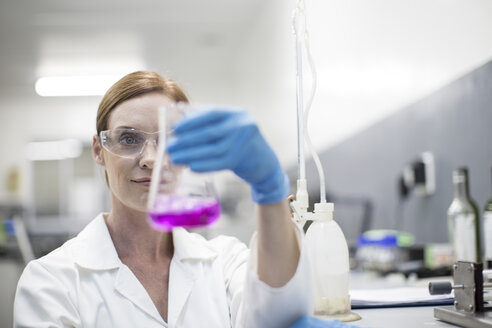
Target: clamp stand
473, 298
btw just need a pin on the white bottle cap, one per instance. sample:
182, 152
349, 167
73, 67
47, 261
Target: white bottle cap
323, 211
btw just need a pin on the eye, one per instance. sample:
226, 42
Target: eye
130, 139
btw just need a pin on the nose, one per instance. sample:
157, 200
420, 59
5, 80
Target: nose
149, 155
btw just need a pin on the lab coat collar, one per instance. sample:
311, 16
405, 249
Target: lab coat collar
188, 246
96, 250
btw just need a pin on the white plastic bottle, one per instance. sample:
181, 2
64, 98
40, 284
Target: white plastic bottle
329, 256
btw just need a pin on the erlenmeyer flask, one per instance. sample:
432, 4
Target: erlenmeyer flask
178, 196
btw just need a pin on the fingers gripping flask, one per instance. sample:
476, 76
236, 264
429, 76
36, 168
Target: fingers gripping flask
178, 197
328, 252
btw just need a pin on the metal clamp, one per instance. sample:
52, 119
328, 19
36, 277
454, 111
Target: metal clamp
472, 288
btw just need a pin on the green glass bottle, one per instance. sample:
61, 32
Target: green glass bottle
487, 233
464, 220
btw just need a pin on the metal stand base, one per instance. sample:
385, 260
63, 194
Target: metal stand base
460, 318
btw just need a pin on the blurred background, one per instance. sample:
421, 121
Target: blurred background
398, 82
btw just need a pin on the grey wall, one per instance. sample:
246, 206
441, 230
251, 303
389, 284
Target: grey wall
455, 123
10, 271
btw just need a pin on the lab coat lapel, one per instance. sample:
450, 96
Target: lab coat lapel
190, 251
130, 287
181, 281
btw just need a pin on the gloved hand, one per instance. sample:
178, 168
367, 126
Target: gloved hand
218, 139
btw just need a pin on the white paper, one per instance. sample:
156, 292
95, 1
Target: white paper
394, 296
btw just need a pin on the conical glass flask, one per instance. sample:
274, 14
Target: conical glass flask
178, 196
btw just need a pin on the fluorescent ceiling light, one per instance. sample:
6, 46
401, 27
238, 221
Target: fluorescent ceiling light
65, 86
53, 150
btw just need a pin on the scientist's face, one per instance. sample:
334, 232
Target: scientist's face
129, 178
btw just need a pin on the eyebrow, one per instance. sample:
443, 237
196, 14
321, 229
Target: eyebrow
132, 128
126, 127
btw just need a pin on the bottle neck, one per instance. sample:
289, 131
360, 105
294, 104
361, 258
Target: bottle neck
460, 183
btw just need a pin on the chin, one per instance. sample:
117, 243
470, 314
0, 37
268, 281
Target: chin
138, 204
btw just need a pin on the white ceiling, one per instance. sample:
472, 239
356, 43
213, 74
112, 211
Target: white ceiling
51, 37
373, 57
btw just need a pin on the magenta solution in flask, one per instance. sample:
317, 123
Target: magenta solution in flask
183, 211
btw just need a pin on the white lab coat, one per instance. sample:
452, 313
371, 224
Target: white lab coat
211, 284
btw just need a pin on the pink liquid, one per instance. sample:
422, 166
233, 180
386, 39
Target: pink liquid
180, 211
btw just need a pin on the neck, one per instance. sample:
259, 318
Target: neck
133, 236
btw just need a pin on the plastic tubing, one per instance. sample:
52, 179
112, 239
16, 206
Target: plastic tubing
299, 94
319, 167
303, 113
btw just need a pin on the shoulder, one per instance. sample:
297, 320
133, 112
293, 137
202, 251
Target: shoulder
47, 290
59, 256
47, 280
61, 263
60, 260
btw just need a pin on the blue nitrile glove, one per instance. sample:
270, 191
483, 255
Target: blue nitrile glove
219, 139
312, 322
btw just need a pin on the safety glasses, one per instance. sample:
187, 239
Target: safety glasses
127, 142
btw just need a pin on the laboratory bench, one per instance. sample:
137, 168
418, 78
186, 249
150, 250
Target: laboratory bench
413, 317
381, 316
399, 301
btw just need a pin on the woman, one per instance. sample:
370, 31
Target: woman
119, 272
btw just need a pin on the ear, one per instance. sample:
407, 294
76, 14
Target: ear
97, 150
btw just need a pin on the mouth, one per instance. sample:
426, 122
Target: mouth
147, 181
142, 181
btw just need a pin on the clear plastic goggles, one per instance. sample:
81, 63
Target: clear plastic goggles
127, 142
